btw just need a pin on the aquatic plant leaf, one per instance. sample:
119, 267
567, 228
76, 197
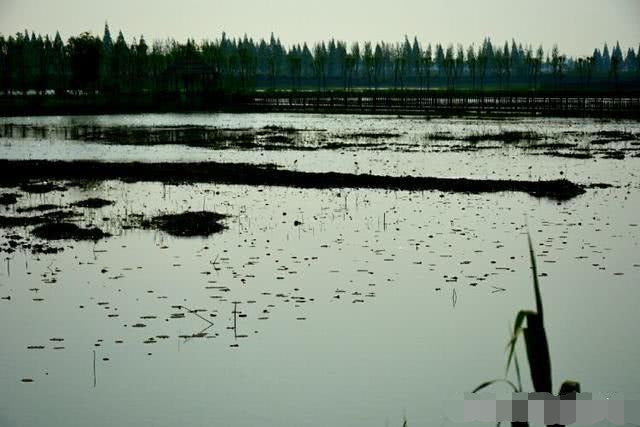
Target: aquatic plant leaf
536, 337
517, 365
497, 380
517, 329
538, 353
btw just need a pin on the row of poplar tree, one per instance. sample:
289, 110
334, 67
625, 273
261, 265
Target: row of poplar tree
30, 63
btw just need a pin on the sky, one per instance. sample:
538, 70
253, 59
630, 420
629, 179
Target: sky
577, 26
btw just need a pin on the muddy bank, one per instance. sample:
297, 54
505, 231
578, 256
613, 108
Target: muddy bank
247, 174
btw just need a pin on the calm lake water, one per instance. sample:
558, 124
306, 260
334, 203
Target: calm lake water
340, 307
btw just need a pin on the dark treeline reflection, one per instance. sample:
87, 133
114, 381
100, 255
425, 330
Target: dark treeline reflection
32, 64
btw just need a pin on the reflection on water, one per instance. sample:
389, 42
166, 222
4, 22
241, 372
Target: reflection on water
314, 307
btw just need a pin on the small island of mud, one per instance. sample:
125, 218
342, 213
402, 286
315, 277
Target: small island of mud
92, 203
188, 224
68, 231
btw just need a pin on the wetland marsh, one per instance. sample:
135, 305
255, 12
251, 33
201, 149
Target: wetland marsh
277, 302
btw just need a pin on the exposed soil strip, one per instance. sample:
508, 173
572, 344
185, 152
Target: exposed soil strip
246, 174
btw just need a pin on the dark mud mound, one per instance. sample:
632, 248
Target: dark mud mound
67, 231
7, 199
251, 174
557, 189
92, 203
188, 224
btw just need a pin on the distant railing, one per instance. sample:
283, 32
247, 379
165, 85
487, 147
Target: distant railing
425, 102
417, 102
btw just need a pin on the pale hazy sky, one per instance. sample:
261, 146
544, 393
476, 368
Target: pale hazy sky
576, 25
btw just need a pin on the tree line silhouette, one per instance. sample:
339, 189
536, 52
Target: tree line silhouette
90, 65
